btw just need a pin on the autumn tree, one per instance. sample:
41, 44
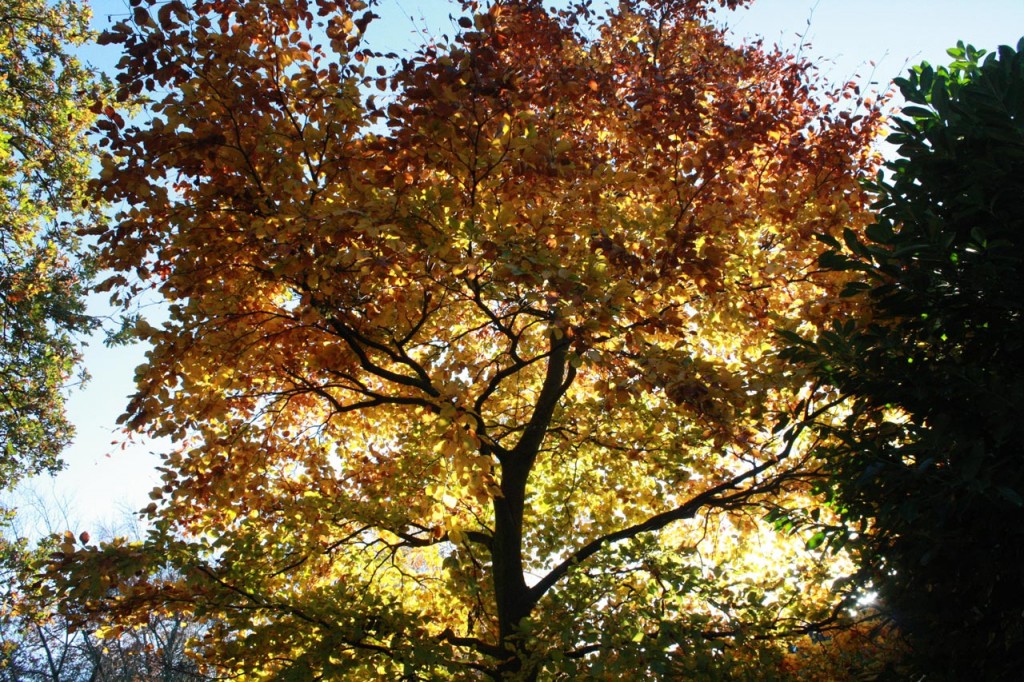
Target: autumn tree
44, 163
469, 353
928, 455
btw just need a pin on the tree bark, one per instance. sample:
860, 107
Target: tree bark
513, 597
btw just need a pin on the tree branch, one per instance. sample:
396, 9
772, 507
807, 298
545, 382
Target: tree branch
715, 496
551, 392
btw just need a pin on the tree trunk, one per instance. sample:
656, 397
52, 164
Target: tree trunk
512, 596
514, 599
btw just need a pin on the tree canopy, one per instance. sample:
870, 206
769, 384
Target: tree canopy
469, 359
928, 456
38, 643
44, 164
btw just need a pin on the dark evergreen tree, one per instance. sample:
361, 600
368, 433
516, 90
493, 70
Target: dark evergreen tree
930, 456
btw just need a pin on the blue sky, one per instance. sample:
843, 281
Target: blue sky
865, 40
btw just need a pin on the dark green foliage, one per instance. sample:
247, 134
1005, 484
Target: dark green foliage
934, 368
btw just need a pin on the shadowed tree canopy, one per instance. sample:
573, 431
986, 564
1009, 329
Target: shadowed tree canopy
468, 356
929, 453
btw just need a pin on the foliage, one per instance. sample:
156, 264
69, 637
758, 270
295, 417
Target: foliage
468, 356
44, 161
30, 648
44, 164
39, 644
929, 453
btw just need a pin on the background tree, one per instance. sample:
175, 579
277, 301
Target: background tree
44, 163
471, 376
40, 643
929, 454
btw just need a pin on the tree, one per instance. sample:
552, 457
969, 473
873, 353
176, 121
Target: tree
928, 455
471, 376
38, 643
44, 164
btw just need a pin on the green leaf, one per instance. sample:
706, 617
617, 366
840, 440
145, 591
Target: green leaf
1011, 496
816, 540
917, 113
